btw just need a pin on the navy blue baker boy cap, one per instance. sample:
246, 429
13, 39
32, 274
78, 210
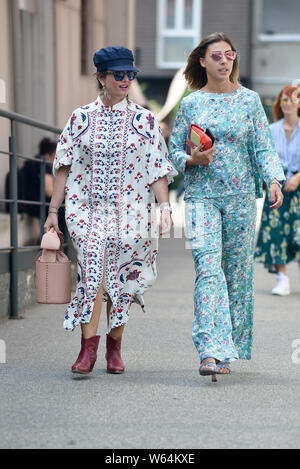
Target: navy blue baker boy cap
114, 58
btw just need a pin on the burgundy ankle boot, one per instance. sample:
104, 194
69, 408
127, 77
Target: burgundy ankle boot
87, 356
113, 355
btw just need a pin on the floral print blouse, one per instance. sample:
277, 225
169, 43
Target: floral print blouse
245, 152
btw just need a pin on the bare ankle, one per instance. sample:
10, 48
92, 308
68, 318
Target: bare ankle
116, 332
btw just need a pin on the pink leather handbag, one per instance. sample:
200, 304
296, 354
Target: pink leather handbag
52, 271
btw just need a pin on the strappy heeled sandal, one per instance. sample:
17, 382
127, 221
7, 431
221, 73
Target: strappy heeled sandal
208, 369
225, 366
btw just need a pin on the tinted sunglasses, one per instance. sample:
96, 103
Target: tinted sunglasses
218, 55
291, 100
119, 76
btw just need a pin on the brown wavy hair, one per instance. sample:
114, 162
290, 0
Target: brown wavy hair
195, 74
288, 90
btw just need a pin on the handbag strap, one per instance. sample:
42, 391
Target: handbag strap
62, 240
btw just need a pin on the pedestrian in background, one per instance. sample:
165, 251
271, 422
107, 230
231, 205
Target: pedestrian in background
221, 186
279, 237
31, 175
29, 179
111, 160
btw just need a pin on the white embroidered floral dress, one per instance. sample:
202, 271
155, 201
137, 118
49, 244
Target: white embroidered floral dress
115, 154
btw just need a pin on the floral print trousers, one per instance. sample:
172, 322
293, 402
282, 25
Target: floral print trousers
221, 232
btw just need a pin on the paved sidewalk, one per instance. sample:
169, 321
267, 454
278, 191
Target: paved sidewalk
161, 401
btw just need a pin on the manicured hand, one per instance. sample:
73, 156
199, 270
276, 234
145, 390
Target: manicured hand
276, 196
292, 184
202, 158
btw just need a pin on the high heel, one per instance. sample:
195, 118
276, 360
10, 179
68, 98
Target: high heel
87, 357
209, 369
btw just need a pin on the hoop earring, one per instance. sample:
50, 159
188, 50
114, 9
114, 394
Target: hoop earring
106, 93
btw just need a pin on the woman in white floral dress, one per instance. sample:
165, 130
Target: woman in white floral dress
111, 160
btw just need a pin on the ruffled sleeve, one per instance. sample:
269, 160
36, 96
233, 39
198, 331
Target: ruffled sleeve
158, 164
64, 150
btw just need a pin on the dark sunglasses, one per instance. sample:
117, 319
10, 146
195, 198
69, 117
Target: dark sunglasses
119, 76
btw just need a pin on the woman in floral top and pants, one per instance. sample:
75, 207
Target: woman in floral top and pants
222, 184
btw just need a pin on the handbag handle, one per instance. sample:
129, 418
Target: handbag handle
60, 237
62, 240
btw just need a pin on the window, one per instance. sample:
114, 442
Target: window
280, 20
179, 25
28, 5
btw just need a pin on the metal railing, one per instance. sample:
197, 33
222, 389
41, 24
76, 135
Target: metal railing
11, 255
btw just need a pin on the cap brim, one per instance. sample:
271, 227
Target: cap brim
123, 68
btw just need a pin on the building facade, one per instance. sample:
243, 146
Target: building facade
266, 33
167, 30
47, 47
275, 45
46, 62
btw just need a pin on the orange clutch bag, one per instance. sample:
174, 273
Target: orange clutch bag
197, 137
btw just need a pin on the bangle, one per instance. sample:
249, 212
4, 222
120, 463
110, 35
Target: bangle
168, 209
165, 206
51, 211
275, 181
